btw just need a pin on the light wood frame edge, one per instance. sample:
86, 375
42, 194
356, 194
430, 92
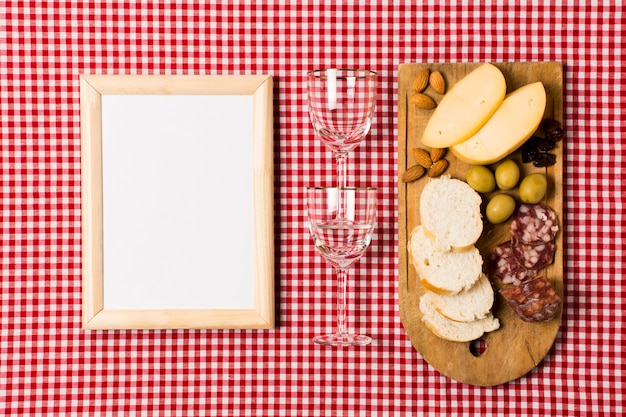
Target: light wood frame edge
94, 316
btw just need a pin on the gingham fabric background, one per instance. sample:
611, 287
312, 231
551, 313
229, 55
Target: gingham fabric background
49, 367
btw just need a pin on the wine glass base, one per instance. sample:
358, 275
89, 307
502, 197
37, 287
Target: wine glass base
342, 340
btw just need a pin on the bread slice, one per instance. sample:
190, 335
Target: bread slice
450, 212
468, 305
455, 331
443, 272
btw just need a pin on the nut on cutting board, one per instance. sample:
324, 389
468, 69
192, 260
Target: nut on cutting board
517, 347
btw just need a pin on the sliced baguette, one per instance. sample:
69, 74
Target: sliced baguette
455, 331
450, 212
465, 306
443, 273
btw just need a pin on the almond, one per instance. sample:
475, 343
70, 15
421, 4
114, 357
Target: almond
422, 157
421, 80
423, 101
437, 153
437, 82
438, 168
413, 173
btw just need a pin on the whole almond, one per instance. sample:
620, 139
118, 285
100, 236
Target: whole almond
413, 173
438, 168
422, 157
437, 153
423, 101
421, 80
437, 82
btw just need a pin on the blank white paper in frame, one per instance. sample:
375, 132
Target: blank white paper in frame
177, 207
177, 202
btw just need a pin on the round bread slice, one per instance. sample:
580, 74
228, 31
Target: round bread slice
468, 305
443, 273
455, 331
450, 211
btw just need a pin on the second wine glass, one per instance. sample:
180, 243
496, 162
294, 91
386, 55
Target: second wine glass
341, 242
341, 106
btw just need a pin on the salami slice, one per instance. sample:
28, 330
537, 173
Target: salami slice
533, 224
533, 301
503, 265
533, 256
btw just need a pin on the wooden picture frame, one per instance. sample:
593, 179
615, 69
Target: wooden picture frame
245, 159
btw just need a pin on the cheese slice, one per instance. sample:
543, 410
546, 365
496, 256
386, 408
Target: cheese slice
517, 118
466, 107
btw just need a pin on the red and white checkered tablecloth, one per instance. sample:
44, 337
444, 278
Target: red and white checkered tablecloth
50, 367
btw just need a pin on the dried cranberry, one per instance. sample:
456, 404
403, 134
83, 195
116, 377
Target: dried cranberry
528, 154
555, 135
544, 159
552, 129
546, 145
550, 124
529, 149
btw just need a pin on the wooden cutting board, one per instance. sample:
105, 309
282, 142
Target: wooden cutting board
517, 347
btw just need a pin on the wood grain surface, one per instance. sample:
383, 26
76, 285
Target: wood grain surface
517, 347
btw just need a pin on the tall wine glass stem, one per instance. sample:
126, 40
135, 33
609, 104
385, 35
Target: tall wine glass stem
342, 162
342, 318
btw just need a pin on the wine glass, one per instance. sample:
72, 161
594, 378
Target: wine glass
341, 106
341, 241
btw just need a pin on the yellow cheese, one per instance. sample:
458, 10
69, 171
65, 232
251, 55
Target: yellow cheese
466, 107
517, 118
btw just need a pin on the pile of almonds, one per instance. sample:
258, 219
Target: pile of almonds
432, 162
422, 80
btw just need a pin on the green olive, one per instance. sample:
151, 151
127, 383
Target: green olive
507, 175
481, 179
500, 208
533, 188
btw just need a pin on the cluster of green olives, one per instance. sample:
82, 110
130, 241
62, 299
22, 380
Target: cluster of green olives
501, 206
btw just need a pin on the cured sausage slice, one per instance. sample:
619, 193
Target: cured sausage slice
533, 256
533, 301
533, 224
503, 265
